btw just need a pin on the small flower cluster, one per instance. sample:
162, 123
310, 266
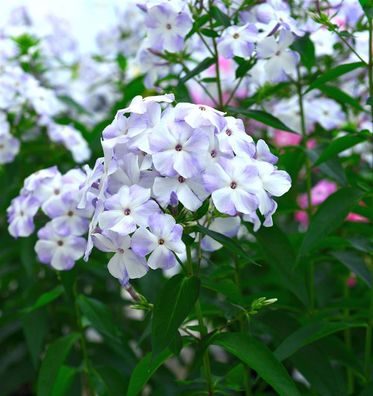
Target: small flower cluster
28, 106
160, 160
60, 241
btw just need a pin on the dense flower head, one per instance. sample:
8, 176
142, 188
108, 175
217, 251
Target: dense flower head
160, 158
55, 195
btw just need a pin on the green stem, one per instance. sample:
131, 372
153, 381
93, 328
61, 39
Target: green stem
217, 66
311, 268
347, 339
202, 330
247, 376
83, 344
368, 339
370, 67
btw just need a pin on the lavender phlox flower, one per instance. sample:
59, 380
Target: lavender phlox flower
200, 116
179, 149
125, 264
238, 41
281, 61
189, 191
234, 139
130, 207
58, 248
9, 146
21, 214
160, 241
166, 27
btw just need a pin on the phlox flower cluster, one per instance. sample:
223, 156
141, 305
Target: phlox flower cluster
162, 160
54, 195
26, 98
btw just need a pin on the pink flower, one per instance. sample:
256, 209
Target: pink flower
283, 138
356, 218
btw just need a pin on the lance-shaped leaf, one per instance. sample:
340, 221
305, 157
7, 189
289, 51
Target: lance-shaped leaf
173, 305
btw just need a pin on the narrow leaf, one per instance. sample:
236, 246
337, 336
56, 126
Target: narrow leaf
45, 299
53, 360
263, 117
338, 145
281, 257
64, 380
228, 243
309, 334
355, 264
98, 315
173, 305
340, 96
205, 64
144, 370
329, 216
258, 357
334, 73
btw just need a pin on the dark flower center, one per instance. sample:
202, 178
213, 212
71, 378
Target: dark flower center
56, 191
127, 212
233, 185
181, 179
236, 36
214, 153
70, 213
228, 132
178, 147
120, 250
161, 241
168, 26
59, 243
202, 108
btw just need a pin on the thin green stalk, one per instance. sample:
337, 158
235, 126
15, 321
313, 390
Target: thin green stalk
370, 66
368, 340
347, 339
247, 376
311, 268
217, 66
83, 344
368, 335
202, 330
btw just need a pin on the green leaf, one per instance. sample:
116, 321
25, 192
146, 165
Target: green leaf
338, 145
52, 362
355, 264
205, 64
340, 96
144, 370
309, 334
226, 287
281, 257
316, 367
368, 389
35, 328
173, 305
367, 6
209, 33
99, 316
45, 299
257, 356
220, 16
334, 73
113, 380
228, 243
244, 66
263, 117
329, 216
64, 380
306, 49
